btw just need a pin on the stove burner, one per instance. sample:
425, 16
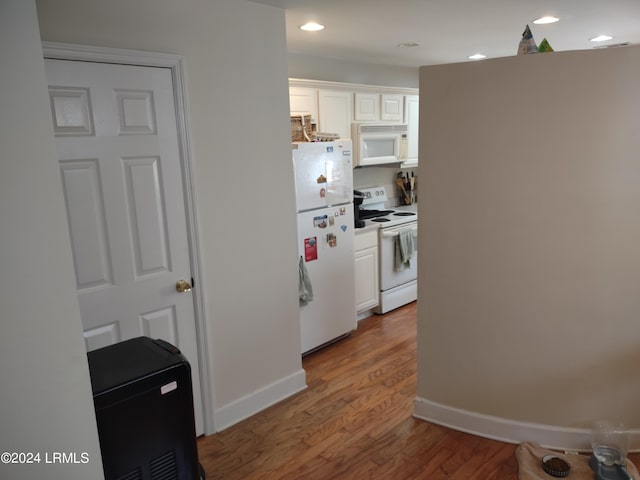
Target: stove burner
367, 214
404, 214
380, 219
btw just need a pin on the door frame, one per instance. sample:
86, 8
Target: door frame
87, 53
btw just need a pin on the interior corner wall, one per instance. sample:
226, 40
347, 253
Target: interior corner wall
47, 405
237, 100
529, 232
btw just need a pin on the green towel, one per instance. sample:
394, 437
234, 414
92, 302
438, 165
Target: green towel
305, 292
405, 248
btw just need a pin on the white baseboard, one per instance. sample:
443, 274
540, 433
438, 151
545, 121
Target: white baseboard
257, 401
510, 431
365, 314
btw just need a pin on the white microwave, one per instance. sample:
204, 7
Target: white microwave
378, 143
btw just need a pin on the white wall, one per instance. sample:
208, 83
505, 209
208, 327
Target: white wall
529, 266
381, 176
333, 70
236, 75
46, 398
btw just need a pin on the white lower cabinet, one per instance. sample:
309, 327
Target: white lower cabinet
366, 263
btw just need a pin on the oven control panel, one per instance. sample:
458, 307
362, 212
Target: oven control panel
374, 195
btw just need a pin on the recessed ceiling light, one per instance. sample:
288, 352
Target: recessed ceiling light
408, 44
311, 27
601, 38
546, 20
477, 56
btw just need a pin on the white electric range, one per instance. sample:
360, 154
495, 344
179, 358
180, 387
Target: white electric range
374, 210
398, 286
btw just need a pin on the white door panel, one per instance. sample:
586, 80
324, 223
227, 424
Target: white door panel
120, 165
85, 214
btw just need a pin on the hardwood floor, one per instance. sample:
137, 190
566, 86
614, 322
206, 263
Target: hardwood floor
355, 421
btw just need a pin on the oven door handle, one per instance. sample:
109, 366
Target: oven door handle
394, 233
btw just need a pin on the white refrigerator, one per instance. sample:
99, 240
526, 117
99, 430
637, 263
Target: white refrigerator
324, 205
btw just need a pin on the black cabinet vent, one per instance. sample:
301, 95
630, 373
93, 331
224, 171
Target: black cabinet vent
164, 467
132, 475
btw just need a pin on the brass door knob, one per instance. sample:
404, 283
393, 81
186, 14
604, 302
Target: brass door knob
183, 286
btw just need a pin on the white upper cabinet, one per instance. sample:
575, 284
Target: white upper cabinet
411, 117
334, 106
367, 107
335, 112
304, 100
392, 108
376, 107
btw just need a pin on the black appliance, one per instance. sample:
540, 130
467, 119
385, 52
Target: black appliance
361, 214
358, 197
144, 409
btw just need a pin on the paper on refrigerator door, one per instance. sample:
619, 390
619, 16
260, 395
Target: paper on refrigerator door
339, 177
310, 249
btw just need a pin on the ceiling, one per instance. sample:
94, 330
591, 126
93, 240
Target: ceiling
448, 31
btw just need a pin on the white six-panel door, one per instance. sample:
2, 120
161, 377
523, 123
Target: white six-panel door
120, 167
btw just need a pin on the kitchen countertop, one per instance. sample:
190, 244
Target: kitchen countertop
407, 208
